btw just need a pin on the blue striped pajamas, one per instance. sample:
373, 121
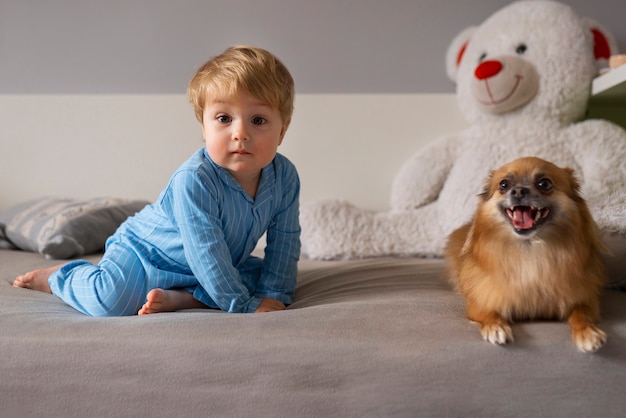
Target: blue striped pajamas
197, 236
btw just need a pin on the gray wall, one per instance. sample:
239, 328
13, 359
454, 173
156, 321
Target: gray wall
154, 46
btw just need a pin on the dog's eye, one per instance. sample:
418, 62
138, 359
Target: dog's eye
544, 185
504, 185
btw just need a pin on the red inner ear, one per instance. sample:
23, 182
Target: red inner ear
459, 57
601, 48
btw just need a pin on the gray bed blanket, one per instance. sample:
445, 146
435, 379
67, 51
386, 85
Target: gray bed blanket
366, 338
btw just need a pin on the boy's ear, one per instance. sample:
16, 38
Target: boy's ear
284, 131
203, 133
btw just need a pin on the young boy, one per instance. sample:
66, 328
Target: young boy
192, 247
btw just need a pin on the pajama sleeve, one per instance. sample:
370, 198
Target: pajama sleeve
278, 278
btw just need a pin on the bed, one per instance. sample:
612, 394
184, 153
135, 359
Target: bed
363, 338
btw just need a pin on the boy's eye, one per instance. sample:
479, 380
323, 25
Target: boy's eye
223, 118
258, 120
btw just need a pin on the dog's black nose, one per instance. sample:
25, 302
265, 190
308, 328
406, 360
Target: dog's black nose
519, 192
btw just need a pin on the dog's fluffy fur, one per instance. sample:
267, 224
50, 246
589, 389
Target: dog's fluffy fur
532, 251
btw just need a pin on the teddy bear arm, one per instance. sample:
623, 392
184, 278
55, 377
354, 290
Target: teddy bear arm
422, 177
601, 149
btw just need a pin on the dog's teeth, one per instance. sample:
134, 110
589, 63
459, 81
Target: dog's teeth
538, 215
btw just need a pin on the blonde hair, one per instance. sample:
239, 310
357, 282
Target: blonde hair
249, 68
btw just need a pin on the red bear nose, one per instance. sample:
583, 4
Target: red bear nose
487, 69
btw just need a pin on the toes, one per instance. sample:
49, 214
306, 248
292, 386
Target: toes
590, 339
497, 333
154, 302
21, 281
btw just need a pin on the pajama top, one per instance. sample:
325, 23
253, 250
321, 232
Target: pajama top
199, 235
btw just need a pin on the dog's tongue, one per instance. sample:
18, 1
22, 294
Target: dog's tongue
523, 218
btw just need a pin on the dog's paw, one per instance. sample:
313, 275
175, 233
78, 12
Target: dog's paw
497, 333
589, 339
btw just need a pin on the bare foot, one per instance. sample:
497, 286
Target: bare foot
36, 279
160, 300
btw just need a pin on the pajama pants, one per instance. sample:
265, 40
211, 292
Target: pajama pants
119, 284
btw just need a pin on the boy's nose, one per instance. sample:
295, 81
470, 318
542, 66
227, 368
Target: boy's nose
240, 132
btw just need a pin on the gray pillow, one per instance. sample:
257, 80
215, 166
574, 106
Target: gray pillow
65, 228
5, 244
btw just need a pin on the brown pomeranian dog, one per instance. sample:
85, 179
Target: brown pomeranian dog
532, 251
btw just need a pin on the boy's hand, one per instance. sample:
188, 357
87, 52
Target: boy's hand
270, 305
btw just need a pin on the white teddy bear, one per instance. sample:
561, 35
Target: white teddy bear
523, 82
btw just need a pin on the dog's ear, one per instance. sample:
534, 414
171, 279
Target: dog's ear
467, 245
573, 179
486, 193
574, 184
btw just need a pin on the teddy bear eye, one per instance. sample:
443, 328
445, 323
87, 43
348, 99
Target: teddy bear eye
521, 48
544, 184
504, 185
482, 57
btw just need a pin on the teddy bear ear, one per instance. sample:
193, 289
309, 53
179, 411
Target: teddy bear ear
455, 52
604, 43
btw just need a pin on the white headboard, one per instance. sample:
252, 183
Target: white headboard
345, 146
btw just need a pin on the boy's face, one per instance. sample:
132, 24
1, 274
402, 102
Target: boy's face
242, 134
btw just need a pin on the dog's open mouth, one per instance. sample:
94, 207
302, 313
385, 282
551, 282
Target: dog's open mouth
525, 218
